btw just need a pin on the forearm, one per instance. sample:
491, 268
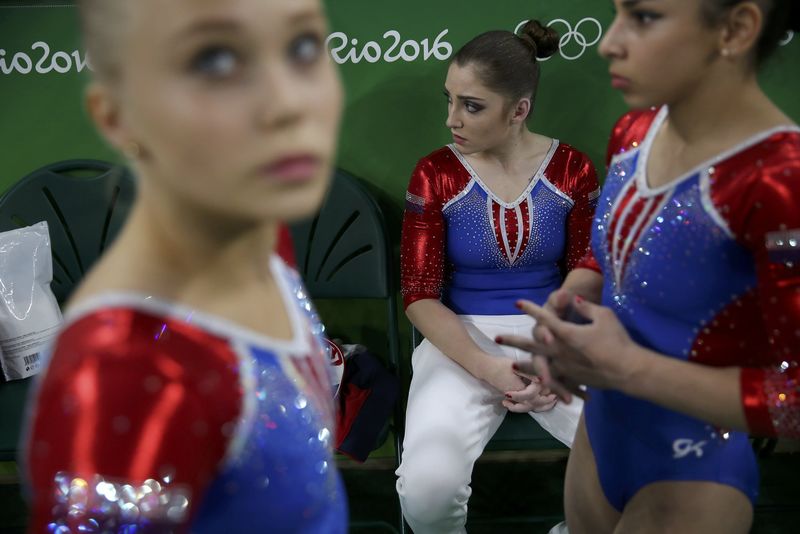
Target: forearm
712, 394
446, 331
586, 283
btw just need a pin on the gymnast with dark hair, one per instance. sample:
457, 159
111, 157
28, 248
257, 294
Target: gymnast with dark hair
692, 287
499, 214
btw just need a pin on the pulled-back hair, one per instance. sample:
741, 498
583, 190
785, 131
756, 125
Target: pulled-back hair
507, 63
101, 27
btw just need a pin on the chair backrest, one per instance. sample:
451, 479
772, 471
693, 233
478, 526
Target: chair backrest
344, 251
85, 203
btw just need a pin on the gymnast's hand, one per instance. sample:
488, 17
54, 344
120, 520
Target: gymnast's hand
534, 398
559, 302
599, 354
500, 375
521, 392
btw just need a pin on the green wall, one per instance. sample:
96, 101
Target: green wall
395, 109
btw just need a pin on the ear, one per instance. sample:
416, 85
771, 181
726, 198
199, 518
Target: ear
741, 30
521, 110
104, 111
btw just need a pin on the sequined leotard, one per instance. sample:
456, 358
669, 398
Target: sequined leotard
705, 269
150, 417
480, 254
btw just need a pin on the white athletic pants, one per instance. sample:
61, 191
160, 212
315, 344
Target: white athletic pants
451, 416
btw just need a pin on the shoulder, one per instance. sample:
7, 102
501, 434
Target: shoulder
438, 177
629, 131
760, 185
138, 393
568, 154
571, 171
771, 164
121, 343
443, 158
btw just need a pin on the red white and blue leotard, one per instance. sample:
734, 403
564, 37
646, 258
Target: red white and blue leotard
150, 417
705, 269
479, 254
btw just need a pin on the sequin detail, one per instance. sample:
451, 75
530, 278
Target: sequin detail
784, 246
782, 392
103, 505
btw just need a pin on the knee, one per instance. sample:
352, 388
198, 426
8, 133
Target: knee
432, 496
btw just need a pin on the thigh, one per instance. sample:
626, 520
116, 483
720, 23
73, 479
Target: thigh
687, 507
449, 411
586, 507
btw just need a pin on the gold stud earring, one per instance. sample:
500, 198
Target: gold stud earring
132, 150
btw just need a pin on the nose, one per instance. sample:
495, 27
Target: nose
611, 45
453, 120
280, 97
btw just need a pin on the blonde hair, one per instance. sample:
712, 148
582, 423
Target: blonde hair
102, 26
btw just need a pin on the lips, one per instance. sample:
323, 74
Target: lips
458, 139
619, 82
295, 168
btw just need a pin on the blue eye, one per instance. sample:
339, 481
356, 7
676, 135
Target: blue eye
472, 107
645, 17
306, 49
216, 62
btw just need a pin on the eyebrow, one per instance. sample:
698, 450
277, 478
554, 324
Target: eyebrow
465, 97
220, 25
632, 3
209, 26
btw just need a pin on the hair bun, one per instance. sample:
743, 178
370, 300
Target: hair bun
794, 16
543, 40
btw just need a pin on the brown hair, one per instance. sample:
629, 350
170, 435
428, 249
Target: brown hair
507, 63
780, 16
101, 27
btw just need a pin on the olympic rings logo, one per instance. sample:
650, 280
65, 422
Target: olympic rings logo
582, 42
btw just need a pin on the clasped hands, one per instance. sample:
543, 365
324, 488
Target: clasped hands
566, 355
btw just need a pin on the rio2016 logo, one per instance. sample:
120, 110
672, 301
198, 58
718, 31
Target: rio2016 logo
372, 51
573, 44
43, 62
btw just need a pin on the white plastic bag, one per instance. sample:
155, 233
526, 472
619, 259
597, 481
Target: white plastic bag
29, 313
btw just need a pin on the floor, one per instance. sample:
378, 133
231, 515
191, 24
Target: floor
519, 492
512, 493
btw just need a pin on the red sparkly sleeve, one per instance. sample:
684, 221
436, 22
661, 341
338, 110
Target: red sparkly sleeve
131, 421
589, 262
770, 229
579, 220
422, 247
628, 132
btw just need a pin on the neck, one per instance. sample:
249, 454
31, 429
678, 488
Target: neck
197, 246
512, 150
724, 108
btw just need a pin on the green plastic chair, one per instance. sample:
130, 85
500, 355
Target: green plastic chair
85, 203
345, 253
